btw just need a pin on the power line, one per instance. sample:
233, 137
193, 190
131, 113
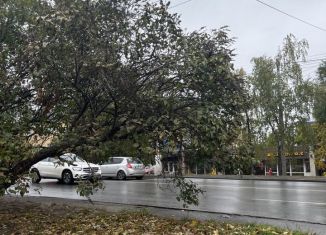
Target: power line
176, 5
320, 54
312, 60
294, 17
179, 4
309, 66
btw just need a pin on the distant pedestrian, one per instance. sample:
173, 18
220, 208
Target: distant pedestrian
270, 172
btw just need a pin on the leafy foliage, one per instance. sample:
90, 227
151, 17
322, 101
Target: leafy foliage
187, 190
281, 95
320, 146
79, 76
319, 112
320, 95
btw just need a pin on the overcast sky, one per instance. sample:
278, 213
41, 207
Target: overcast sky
258, 29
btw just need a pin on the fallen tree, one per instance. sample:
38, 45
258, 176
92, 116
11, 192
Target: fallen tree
85, 73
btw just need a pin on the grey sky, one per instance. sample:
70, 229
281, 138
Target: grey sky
259, 30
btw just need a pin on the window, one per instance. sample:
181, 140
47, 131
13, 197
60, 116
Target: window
307, 163
134, 161
117, 160
297, 165
70, 157
53, 159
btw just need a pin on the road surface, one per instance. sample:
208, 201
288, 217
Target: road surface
294, 201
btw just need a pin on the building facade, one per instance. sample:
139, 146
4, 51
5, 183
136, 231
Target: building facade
299, 162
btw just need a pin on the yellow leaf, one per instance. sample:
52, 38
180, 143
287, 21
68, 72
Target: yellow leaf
215, 232
194, 223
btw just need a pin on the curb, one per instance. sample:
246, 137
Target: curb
223, 214
249, 177
264, 178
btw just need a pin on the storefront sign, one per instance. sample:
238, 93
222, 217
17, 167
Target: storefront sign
295, 154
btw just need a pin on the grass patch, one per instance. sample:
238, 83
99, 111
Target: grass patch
61, 219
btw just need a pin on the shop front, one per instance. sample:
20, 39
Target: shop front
299, 162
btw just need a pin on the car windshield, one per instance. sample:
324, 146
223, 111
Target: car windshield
71, 158
134, 161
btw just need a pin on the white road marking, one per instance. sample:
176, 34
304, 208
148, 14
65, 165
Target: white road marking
282, 201
237, 187
265, 188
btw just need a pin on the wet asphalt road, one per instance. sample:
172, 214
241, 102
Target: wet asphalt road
298, 201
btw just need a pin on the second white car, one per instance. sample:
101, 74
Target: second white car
123, 167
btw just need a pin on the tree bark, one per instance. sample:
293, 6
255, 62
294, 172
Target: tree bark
281, 161
281, 155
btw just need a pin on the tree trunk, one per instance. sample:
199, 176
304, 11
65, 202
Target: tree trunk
281, 161
250, 141
183, 163
280, 149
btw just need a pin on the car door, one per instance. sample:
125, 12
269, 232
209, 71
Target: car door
44, 167
110, 167
105, 167
55, 168
117, 162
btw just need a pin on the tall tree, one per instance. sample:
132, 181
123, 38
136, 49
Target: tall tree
319, 111
320, 94
281, 95
85, 73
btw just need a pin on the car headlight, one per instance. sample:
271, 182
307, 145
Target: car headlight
77, 168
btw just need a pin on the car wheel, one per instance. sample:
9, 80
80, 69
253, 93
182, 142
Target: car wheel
121, 175
139, 177
67, 177
36, 178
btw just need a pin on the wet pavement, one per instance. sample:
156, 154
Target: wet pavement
296, 202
